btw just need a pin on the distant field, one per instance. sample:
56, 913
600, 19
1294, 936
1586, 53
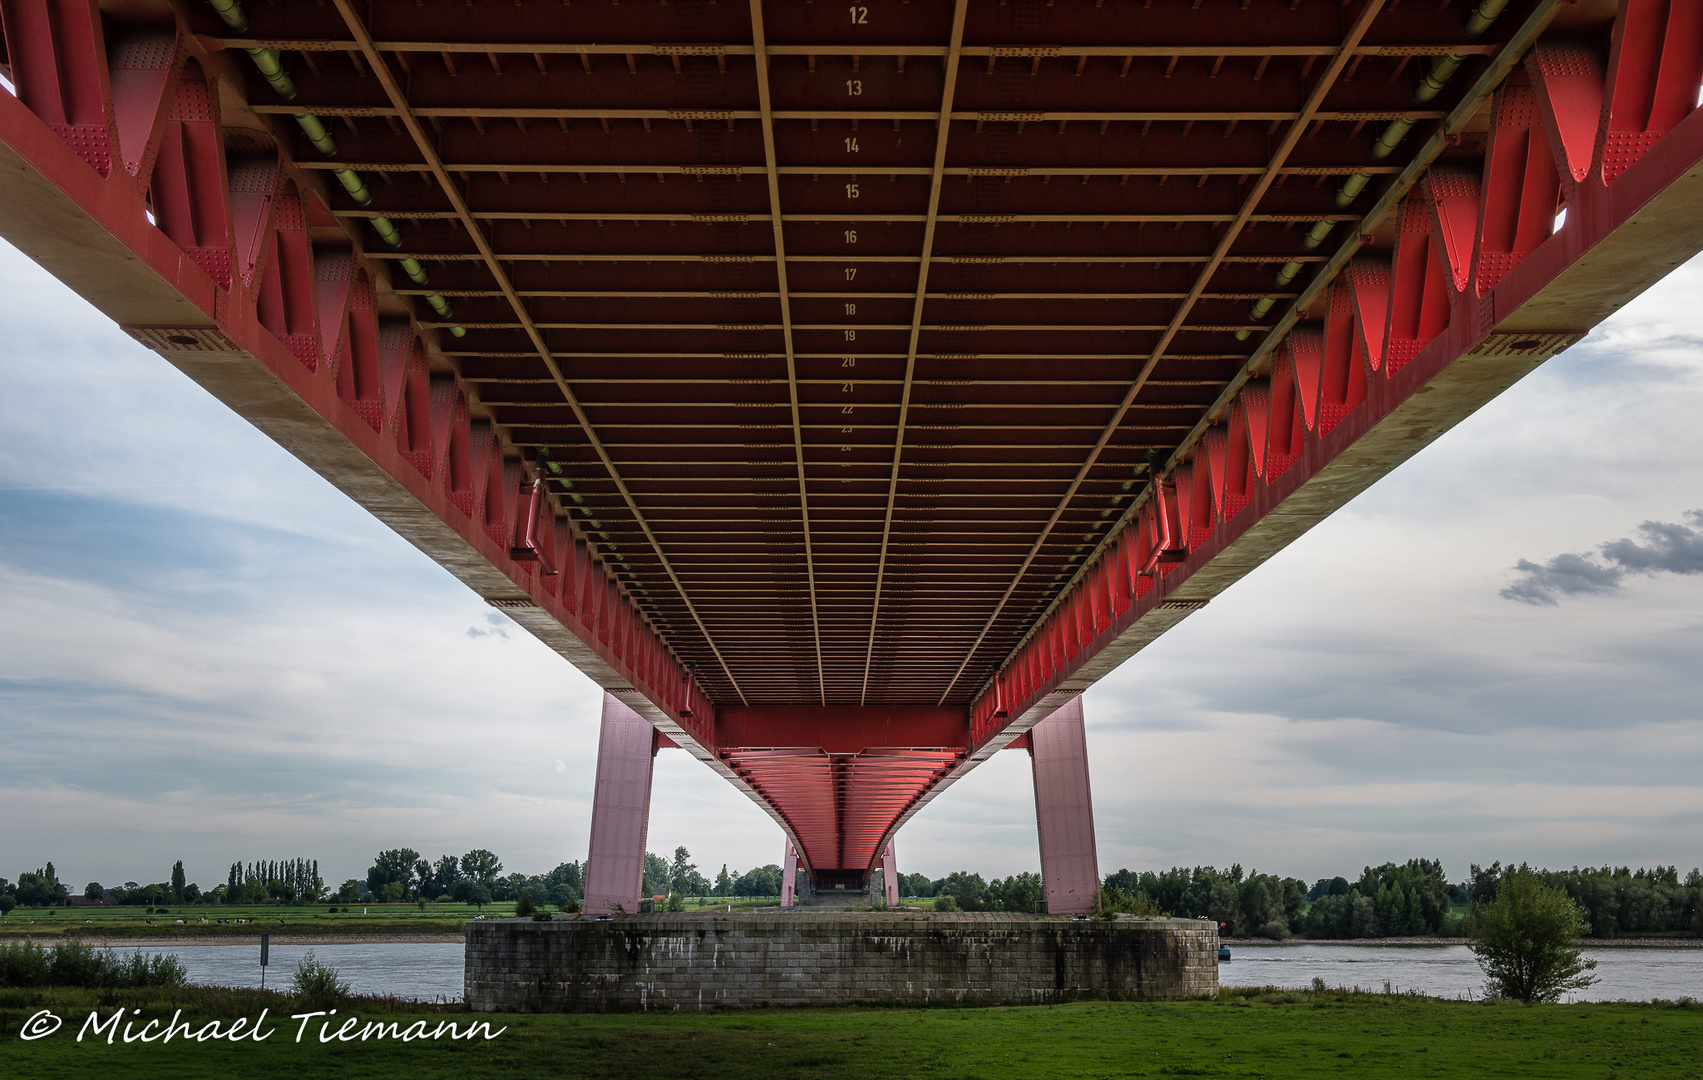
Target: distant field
186, 920
1241, 1034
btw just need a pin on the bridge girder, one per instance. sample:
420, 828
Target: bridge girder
1106, 362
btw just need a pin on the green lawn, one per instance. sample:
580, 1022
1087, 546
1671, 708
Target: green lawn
1275, 1035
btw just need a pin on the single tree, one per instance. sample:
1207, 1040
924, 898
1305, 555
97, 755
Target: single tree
479, 896
394, 866
1527, 940
682, 873
525, 907
481, 866
7, 903
446, 873
93, 891
178, 880
656, 874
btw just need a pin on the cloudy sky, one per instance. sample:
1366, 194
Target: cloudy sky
208, 653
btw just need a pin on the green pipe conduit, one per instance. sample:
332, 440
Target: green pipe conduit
1443, 68
271, 68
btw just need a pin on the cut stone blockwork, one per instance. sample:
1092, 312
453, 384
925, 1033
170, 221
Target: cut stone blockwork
736, 961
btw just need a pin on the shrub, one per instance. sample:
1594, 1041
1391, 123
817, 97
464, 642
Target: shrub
526, 906
73, 963
676, 903
945, 903
1527, 940
1112, 902
317, 983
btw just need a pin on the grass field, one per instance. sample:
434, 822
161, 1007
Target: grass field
1240, 1034
185, 920
237, 920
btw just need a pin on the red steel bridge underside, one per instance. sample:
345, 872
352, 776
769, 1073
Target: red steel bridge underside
846, 387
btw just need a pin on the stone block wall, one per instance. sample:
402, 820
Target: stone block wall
804, 958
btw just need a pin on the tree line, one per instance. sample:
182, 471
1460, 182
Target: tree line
681, 877
1413, 899
474, 878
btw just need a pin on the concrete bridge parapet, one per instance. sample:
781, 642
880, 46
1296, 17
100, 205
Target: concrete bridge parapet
745, 960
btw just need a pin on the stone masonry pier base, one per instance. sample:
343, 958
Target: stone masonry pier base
802, 958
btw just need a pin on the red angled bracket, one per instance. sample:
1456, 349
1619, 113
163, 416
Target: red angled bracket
532, 546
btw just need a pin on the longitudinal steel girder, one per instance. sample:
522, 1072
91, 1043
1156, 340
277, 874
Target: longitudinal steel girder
846, 387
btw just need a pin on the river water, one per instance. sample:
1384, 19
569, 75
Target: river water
1451, 971
433, 972
422, 971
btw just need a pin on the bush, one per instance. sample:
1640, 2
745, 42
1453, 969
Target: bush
1109, 903
1527, 940
526, 906
945, 903
74, 963
317, 983
676, 903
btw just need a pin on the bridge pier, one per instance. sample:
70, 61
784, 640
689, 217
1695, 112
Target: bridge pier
890, 875
620, 810
1064, 812
789, 876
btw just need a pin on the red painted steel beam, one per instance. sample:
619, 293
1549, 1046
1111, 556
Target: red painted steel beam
1509, 297
291, 342
725, 280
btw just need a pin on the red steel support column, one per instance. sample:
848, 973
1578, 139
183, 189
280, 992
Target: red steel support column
890, 875
789, 875
1064, 813
620, 811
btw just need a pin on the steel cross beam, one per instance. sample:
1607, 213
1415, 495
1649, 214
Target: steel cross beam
1351, 40
760, 47
464, 215
618, 169
559, 48
931, 220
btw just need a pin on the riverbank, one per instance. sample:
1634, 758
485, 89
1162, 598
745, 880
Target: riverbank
278, 939
1438, 942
